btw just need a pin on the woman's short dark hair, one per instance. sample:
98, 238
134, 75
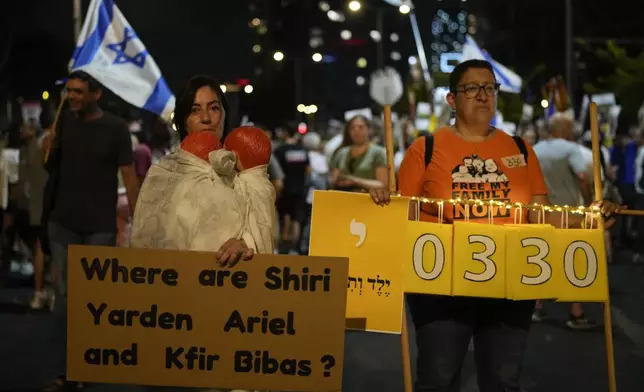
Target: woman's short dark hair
186, 99
458, 72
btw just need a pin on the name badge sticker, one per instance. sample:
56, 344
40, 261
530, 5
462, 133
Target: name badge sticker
514, 161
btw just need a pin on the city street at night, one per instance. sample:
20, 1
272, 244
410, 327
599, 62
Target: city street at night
558, 359
238, 195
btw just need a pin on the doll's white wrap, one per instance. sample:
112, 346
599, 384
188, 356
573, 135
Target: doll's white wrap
259, 193
186, 203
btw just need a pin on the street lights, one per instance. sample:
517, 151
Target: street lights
404, 8
307, 109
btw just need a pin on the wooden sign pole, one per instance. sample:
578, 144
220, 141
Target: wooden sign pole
631, 212
389, 145
599, 195
54, 127
391, 170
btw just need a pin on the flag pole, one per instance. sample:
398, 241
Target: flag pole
77, 18
77, 9
53, 128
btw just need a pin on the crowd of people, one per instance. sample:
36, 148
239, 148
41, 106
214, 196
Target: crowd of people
107, 181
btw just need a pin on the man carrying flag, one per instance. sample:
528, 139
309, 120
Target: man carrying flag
92, 146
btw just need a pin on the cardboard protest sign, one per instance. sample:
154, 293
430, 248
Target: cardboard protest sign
167, 318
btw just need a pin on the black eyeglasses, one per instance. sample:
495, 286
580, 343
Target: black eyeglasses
473, 90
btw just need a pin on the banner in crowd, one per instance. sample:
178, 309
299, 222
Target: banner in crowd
516, 262
167, 318
350, 225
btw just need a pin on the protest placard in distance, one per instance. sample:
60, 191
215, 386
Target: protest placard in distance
169, 318
351, 225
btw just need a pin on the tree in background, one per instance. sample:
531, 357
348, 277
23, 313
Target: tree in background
626, 79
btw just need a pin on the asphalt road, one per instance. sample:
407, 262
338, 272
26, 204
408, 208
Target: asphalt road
557, 359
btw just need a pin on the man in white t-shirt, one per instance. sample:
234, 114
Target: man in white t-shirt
567, 178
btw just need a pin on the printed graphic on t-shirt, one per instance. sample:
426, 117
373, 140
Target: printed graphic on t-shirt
478, 178
296, 156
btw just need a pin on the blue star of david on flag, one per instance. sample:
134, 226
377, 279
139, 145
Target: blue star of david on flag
106, 45
121, 47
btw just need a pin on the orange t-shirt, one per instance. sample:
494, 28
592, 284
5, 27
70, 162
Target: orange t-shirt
493, 169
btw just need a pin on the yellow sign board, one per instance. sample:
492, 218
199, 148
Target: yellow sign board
372, 237
167, 318
517, 262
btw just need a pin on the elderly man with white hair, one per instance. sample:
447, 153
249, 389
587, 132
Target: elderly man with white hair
568, 180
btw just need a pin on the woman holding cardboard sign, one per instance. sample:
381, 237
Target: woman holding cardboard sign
468, 161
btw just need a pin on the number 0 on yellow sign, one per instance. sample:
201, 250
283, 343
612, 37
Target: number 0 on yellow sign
428, 269
584, 266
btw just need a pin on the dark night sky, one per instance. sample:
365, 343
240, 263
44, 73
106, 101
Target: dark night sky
205, 37
187, 37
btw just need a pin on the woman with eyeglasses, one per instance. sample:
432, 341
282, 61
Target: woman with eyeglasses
472, 160
358, 165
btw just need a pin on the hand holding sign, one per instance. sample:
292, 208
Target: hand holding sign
232, 251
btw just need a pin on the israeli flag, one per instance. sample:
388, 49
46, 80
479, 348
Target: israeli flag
110, 51
510, 81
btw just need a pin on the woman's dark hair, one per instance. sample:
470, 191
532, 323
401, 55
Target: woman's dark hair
458, 72
186, 99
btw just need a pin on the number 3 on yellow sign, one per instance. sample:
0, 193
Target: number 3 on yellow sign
533, 270
479, 260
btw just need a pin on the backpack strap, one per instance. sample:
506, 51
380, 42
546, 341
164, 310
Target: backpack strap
522, 147
429, 148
